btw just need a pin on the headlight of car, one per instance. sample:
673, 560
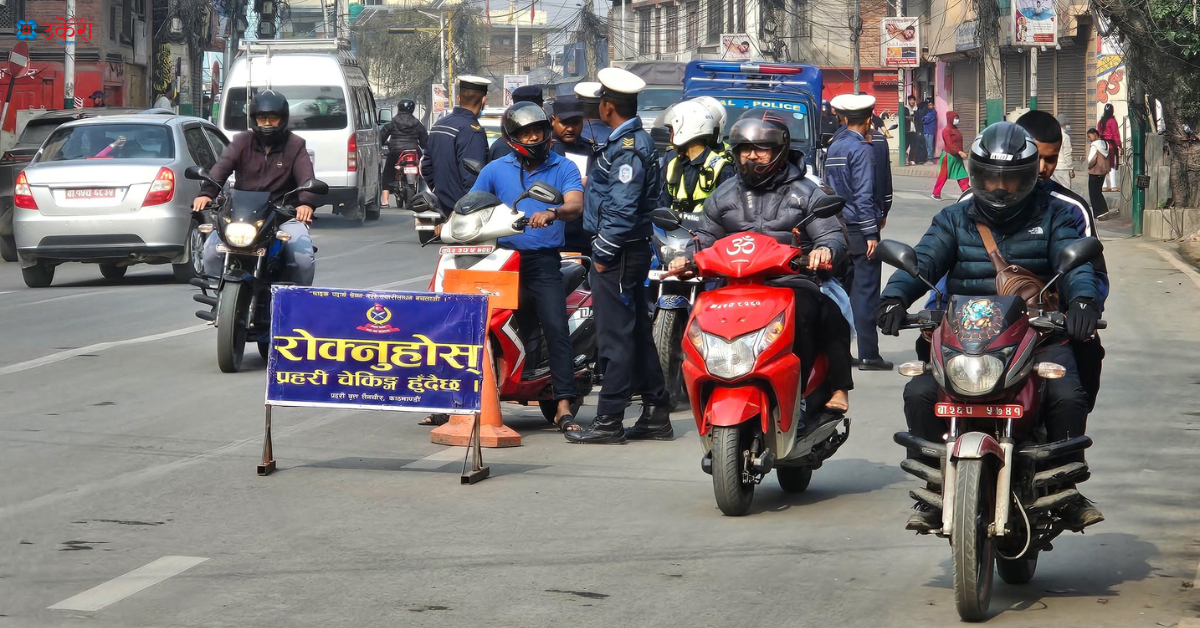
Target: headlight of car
463, 228
240, 234
731, 359
974, 374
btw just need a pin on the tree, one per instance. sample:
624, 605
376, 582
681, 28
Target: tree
1161, 43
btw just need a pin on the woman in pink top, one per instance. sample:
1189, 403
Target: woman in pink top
1110, 132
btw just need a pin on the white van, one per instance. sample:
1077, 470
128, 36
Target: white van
331, 108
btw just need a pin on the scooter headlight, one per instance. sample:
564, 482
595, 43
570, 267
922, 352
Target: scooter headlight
974, 374
464, 228
731, 359
240, 234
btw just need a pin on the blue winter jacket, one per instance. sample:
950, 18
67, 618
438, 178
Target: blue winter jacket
850, 171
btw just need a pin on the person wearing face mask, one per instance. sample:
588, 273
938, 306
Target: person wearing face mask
1028, 226
951, 162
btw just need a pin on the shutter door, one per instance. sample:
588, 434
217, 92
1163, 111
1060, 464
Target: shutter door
1071, 94
966, 92
1016, 67
981, 118
1045, 82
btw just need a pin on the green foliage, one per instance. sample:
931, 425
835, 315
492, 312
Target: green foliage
404, 66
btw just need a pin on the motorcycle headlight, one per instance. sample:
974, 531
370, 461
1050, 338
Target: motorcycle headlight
731, 359
464, 228
240, 234
668, 252
974, 374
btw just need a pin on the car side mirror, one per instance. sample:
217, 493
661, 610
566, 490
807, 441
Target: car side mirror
828, 206
545, 193
1077, 254
473, 166
898, 254
666, 219
315, 186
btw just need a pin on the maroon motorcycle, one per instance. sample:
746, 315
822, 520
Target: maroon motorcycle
999, 487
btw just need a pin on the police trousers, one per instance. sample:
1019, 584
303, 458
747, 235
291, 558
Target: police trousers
299, 257
863, 277
625, 339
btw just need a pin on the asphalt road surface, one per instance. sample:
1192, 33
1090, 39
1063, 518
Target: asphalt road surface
129, 495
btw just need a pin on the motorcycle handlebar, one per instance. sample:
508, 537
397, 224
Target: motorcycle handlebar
1059, 320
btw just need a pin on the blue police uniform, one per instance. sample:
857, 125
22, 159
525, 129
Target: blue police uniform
883, 172
622, 191
850, 171
456, 137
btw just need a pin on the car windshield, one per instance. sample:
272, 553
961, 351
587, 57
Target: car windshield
657, 99
311, 108
36, 132
109, 141
796, 114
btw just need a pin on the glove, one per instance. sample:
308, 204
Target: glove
890, 316
1082, 316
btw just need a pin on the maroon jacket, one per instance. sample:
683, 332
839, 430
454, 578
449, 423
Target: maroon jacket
276, 169
952, 138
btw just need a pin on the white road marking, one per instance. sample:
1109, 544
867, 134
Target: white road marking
1176, 262
124, 586
912, 196
55, 358
437, 460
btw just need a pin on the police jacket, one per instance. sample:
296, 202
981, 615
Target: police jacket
883, 172
850, 171
456, 137
622, 190
405, 132
952, 247
772, 210
690, 181
277, 169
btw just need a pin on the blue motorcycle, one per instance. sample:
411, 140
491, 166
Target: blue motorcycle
673, 306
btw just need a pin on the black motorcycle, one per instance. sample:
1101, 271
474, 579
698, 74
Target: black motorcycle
248, 225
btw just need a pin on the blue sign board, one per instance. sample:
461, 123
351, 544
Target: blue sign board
405, 351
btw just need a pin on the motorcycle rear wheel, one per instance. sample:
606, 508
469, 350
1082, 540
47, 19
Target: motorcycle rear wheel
733, 494
793, 479
1018, 571
973, 554
668, 340
231, 326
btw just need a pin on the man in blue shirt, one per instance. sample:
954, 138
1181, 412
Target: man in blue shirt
526, 130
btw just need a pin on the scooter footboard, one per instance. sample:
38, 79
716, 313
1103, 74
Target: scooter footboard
730, 406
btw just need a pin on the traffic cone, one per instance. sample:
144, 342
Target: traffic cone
492, 431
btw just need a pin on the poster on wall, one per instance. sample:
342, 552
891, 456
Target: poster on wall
900, 42
735, 47
1035, 23
511, 83
441, 103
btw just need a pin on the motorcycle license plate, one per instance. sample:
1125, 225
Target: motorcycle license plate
410, 170
979, 411
466, 250
92, 193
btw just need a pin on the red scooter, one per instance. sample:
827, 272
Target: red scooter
1000, 485
742, 378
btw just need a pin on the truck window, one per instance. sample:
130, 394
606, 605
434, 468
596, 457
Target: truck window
311, 108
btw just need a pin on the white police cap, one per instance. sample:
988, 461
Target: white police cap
476, 83
853, 103
587, 89
620, 84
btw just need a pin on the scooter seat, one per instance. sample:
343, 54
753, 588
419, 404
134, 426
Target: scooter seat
573, 275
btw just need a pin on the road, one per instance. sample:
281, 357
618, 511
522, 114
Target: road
122, 444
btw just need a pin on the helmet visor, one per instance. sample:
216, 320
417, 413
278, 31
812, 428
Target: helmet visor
1002, 187
762, 133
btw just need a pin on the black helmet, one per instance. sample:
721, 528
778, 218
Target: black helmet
762, 128
408, 106
518, 117
269, 101
1005, 159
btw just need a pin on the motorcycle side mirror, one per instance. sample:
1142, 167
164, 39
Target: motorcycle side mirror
898, 254
197, 173
1077, 254
666, 219
828, 206
473, 166
315, 186
544, 193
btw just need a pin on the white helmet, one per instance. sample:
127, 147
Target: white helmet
715, 109
689, 120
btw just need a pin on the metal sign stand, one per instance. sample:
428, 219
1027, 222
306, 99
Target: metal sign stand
474, 457
267, 466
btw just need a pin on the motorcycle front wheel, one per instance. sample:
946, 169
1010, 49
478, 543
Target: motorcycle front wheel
973, 554
668, 341
231, 326
733, 493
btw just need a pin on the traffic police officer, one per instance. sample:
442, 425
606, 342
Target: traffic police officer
850, 171
456, 137
621, 193
696, 170
594, 129
883, 168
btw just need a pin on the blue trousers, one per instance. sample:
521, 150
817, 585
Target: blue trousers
863, 277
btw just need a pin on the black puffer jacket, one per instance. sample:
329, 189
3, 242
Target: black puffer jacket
404, 132
772, 211
952, 247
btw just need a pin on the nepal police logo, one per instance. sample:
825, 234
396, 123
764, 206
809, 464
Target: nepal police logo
377, 320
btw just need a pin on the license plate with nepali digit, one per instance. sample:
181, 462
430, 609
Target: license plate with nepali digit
410, 170
92, 193
979, 411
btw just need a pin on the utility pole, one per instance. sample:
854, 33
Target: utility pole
1033, 70
516, 43
856, 27
1137, 116
324, 19
442, 45
993, 80
902, 109
68, 61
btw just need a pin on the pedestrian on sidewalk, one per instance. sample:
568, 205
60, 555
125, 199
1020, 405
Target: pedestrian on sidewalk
1098, 167
1066, 156
913, 135
951, 163
1110, 132
929, 125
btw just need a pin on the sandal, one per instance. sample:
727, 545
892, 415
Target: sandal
435, 420
567, 423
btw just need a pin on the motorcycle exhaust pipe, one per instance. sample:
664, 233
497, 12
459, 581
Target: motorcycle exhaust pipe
926, 496
922, 471
205, 299
205, 315
919, 445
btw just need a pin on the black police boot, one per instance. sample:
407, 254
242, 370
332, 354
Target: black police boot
925, 520
605, 429
654, 424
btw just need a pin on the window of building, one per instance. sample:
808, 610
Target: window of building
644, 32
714, 20
801, 19
691, 35
10, 12
127, 22
672, 29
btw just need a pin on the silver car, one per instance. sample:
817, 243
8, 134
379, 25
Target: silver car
111, 191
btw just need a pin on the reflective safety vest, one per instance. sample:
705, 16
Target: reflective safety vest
706, 182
